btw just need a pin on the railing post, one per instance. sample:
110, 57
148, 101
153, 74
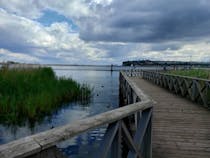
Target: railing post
195, 89
148, 144
116, 151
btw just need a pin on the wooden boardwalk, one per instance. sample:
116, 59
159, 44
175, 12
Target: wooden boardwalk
181, 129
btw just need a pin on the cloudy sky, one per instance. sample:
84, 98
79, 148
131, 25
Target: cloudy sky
104, 31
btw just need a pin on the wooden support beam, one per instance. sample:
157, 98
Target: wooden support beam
108, 140
33, 144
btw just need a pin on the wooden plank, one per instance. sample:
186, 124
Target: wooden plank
143, 96
49, 138
44, 140
180, 127
186, 86
20, 148
52, 152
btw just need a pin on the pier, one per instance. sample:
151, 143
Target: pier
180, 126
160, 116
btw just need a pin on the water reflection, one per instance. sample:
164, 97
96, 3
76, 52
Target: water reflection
105, 97
84, 145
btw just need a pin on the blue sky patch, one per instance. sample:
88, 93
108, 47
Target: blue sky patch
49, 17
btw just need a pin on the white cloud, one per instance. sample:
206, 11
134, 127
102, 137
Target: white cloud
33, 9
101, 2
20, 32
73, 8
6, 55
197, 51
56, 41
25, 8
23, 32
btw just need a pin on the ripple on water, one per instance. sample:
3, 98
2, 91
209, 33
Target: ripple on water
105, 84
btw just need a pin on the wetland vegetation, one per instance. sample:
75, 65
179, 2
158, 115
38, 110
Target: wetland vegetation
198, 73
31, 94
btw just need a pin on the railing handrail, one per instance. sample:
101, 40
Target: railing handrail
181, 76
195, 89
34, 144
136, 89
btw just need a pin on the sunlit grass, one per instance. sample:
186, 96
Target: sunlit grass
28, 94
198, 73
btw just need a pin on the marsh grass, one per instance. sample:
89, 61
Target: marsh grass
198, 73
30, 94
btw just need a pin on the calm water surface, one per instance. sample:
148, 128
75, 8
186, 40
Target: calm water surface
105, 97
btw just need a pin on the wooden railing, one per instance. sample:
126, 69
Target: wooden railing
134, 72
128, 133
195, 89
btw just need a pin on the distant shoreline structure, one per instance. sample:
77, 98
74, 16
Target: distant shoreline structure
134, 63
164, 63
43, 65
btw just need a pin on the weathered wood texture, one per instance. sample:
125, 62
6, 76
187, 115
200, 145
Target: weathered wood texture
181, 128
134, 130
52, 152
35, 143
129, 91
195, 89
133, 72
134, 113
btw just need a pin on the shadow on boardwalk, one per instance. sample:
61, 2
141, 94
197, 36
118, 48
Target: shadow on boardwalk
181, 129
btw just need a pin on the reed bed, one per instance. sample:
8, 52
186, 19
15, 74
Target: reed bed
28, 94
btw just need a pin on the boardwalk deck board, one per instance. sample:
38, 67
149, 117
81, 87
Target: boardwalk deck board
181, 129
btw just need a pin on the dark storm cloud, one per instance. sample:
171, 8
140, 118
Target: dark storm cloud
149, 21
115, 50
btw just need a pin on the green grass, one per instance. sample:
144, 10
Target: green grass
198, 73
30, 94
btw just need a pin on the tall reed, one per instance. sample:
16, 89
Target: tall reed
28, 94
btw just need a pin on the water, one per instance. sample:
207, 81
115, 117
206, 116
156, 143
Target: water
105, 97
